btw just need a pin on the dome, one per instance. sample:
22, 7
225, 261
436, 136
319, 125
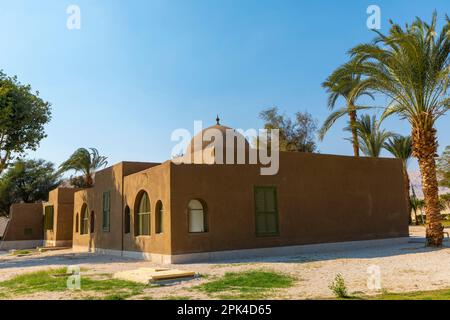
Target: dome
204, 143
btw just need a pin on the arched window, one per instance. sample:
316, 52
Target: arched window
92, 222
77, 223
142, 216
84, 223
127, 222
197, 217
159, 217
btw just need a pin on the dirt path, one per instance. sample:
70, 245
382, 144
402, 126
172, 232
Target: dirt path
404, 267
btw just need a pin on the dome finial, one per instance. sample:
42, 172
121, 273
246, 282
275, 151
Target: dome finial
218, 120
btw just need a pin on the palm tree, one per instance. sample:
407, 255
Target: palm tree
401, 148
371, 137
416, 204
85, 161
340, 84
412, 67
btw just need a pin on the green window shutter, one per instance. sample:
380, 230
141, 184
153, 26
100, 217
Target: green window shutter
266, 211
271, 223
106, 211
269, 200
48, 217
260, 223
259, 200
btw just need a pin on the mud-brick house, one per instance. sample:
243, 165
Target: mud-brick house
174, 213
24, 229
58, 218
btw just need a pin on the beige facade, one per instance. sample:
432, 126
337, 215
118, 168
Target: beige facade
173, 213
109, 235
58, 217
24, 229
153, 210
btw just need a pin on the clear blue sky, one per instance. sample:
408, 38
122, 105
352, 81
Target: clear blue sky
139, 69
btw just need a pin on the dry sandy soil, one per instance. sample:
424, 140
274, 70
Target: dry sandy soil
404, 268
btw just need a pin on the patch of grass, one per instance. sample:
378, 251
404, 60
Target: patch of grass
38, 281
21, 252
119, 296
253, 284
89, 284
443, 294
55, 280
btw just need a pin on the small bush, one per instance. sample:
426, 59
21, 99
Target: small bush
338, 287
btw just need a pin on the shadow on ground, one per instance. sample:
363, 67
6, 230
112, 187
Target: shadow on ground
416, 244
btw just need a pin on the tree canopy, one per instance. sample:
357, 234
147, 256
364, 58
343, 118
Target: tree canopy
23, 115
371, 138
296, 134
84, 161
27, 181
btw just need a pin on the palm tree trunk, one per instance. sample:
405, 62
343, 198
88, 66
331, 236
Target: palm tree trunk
89, 180
424, 149
352, 114
407, 187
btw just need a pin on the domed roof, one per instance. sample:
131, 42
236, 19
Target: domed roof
204, 142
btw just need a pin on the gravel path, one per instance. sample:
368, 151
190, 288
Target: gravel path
403, 267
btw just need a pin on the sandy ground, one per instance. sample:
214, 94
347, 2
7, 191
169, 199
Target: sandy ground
404, 268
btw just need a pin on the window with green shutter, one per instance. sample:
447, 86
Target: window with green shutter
48, 217
142, 216
84, 223
106, 211
266, 211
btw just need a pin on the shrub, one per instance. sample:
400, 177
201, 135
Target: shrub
338, 287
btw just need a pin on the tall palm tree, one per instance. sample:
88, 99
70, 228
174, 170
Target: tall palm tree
412, 67
401, 148
340, 84
371, 137
85, 161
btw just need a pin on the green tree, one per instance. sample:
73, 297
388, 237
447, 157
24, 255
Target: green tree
23, 115
27, 181
371, 137
401, 148
296, 135
443, 168
341, 84
411, 66
85, 161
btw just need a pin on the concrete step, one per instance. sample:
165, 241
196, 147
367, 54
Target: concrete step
152, 275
